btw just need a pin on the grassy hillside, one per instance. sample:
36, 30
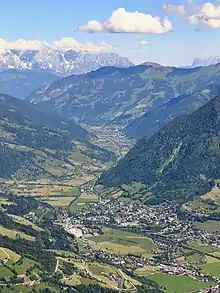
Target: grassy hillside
177, 163
39, 144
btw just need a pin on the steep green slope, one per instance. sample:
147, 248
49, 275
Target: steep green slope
176, 163
23, 112
21, 83
39, 144
121, 94
154, 119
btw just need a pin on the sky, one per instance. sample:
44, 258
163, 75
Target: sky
171, 32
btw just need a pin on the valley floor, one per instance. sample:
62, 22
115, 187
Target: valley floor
104, 237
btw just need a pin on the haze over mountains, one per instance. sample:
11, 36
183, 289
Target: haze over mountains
206, 62
25, 70
20, 83
129, 95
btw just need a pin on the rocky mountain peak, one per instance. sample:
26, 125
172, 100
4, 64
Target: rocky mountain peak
59, 60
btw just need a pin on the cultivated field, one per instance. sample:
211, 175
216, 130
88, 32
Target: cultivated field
214, 250
82, 201
179, 284
212, 268
210, 226
118, 241
146, 271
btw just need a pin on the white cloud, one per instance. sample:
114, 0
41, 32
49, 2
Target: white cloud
143, 43
70, 43
66, 43
103, 46
207, 14
171, 8
122, 21
62, 44
20, 44
92, 26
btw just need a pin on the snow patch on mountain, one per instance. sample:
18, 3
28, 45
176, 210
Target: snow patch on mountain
60, 60
206, 62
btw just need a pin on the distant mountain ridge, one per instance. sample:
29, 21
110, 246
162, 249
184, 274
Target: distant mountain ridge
60, 61
121, 95
20, 83
206, 62
178, 162
153, 120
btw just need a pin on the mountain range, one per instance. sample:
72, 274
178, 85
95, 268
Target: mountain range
60, 61
122, 95
178, 162
206, 62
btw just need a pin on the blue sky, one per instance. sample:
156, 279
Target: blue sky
55, 19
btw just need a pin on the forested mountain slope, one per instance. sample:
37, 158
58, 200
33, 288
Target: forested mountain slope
154, 119
119, 95
178, 162
23, 112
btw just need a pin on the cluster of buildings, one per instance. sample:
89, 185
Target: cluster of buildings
124, 261
214, 289
178, 268
160, 222
127, 215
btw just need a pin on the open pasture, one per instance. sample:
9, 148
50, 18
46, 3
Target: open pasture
212, 268
25, 222
214, 250
118, 241
214, 194
14, 233
7, 253
146, 271
22, 265
209, 226
58, 201
7, 273
81, 202
44, 187
179, 284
